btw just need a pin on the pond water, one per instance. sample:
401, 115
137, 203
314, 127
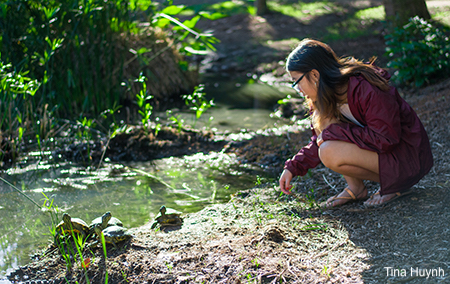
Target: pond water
241, 105
132, 192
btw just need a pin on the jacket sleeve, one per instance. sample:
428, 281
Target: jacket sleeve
379, 112
305, 159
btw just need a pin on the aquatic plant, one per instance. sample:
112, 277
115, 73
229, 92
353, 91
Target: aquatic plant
142, 100
176, 119
197, 102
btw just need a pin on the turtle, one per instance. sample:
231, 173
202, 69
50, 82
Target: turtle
167, 217
104, 221
113, 234
69, 225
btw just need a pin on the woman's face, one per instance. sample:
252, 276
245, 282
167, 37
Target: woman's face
305, 86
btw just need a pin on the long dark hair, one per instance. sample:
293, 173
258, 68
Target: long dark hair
334, 74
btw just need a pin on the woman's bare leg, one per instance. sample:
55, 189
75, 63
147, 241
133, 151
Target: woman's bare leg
356, 165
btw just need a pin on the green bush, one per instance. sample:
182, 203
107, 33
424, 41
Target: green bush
419, 52
67, 59
82, 50
70, 46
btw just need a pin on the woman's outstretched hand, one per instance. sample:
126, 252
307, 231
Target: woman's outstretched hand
285, 181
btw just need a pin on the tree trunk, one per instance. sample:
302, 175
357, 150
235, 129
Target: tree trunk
399, 11
261, 7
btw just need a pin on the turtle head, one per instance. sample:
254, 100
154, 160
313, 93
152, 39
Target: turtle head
66, 218
162, 210
105, 219
98, 229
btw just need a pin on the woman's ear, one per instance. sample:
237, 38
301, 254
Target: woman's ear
315, 75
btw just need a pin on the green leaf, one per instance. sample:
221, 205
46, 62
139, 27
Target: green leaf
143, 50
212, 16
161, 22
173, 9
192, 22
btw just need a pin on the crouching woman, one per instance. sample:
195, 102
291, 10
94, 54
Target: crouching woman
362, 128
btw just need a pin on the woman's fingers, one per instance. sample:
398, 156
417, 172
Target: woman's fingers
287, 189
285, 182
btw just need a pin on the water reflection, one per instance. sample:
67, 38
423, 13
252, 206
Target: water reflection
187, 184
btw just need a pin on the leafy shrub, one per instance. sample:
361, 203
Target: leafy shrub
70, 46
61, 59
82, 50
419, 51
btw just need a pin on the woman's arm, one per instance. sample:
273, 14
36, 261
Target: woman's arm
307, 158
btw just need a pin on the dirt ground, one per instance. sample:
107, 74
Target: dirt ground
261, 236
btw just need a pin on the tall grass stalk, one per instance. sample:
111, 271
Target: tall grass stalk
80, 244
66, 251
64, 246
102, 239
71, 46
16, 91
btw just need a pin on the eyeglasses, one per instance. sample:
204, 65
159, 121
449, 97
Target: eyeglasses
295, 85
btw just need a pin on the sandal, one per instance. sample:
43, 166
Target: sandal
352, 198
397, 195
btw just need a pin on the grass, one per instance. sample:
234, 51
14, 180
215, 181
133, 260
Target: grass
322, 243
370, 14
441, 15
103, 242
357, 25
305, 11
300, 10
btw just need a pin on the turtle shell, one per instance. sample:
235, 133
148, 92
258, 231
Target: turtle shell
168, 217
114, 234
69, 225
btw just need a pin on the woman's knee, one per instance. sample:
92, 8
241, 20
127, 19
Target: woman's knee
328, 154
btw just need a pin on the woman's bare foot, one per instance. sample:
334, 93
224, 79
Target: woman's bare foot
377, 200
346, 196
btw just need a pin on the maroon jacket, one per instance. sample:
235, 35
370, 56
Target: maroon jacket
391, 128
